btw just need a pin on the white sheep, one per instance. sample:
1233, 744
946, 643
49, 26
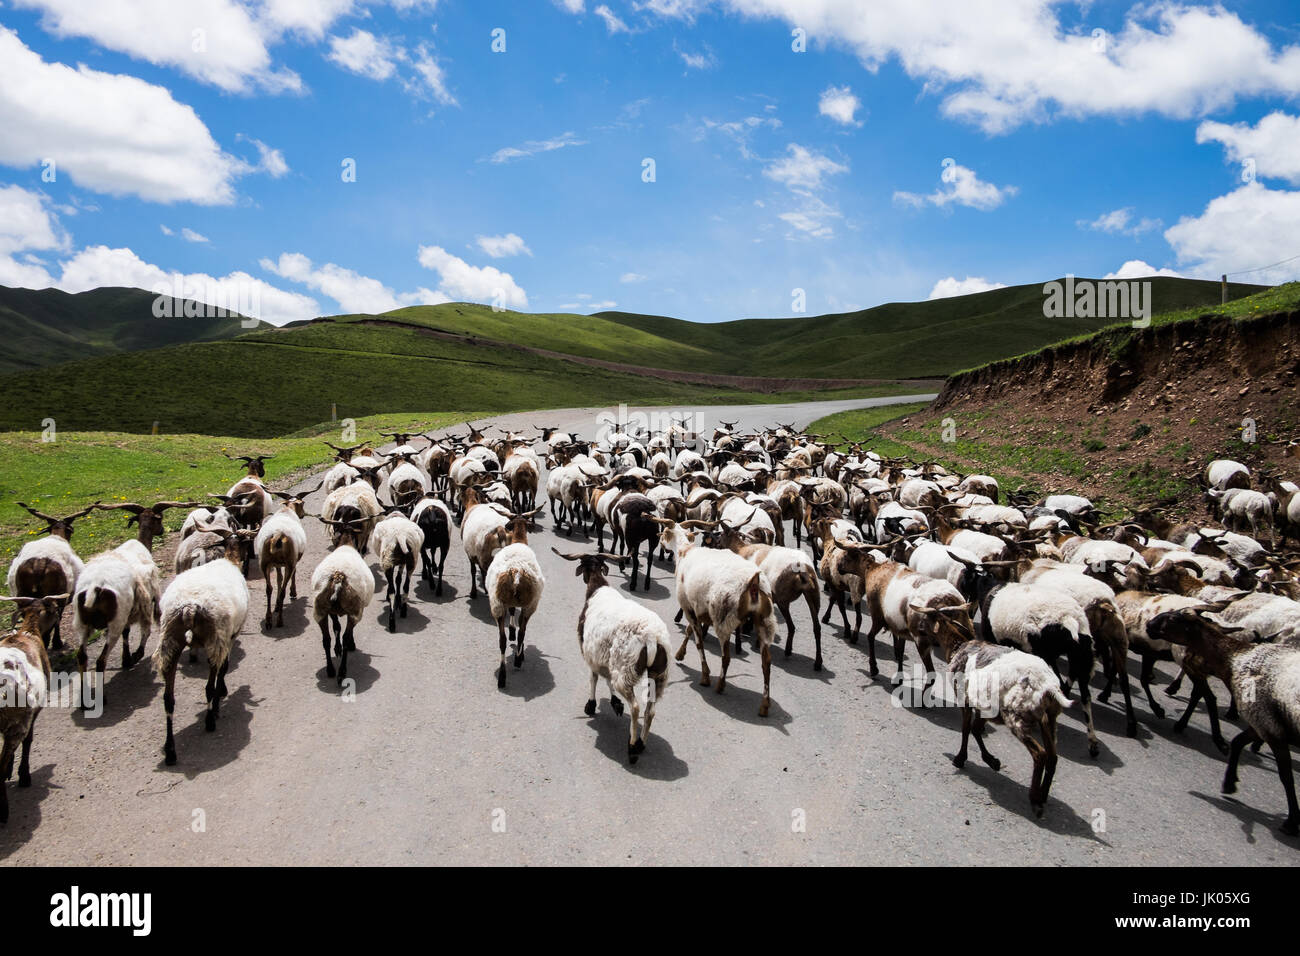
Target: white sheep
202, 607
397, 541
342, 586
514, 584
116, 590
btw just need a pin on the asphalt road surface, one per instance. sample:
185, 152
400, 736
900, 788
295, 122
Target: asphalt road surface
431, 763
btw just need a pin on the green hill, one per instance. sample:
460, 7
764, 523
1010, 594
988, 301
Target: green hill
45, 326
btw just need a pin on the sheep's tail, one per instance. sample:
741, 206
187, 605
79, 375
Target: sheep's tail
336, 590
1049, 696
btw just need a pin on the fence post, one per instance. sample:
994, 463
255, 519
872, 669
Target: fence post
1223, 289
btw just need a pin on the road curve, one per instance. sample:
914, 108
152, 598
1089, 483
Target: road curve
431, 763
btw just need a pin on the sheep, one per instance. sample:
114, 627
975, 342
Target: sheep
514, 584
482, 534
115, 591
522, 476
1047, 622
824, 536
980, 485
397, 541
1024, 694
436, 462
340, 476
342, 585
280, 544
434, 520
626, 644
221, 518
791, 574
1240, 508
406, 482
356, 502
24, 685
1222, 474
148, 520
893, 519
723, 590
907, 604
1265, 679
48, 566
1104, 621
670, 504
633, 517
1138, 609
202, 607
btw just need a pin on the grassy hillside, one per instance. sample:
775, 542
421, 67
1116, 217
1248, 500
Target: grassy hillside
46, 326
906, 339
66, 475
272, 382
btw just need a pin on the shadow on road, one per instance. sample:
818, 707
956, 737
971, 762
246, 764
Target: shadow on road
359, 671
1250, 818
534, 679
25, 805
198, 751
657, 762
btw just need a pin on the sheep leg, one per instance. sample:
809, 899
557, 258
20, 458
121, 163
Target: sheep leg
857, 620
293, 584
266, 621
699, 645
1176, 684
127, 659
1148, 664
930, 674
1120, 664
1201, 689
169, 705
281, 573
841, 601
634, 746
390, 596
1048, 723
959, 758
900, 651
649, 559
789, 623
1085, 698
406, 588
325, 643
523, 631
1281, 752
978, 727
725, 641
814, 599
501, 671
1036, 797
767, 680
1231, 713
473, 579
590, 708
348, 645
1234, 754
214, 700
441, 563
1108, 671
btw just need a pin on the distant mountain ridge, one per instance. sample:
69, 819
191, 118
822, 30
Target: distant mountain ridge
47, 326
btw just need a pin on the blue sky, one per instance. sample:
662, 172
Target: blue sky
217, 155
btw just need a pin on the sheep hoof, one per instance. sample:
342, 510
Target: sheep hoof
817, 664
631, 754
1158, 710
24, 778
169, 758
329, 670
640, 745
1038, 810
392, 623
210, 722
705, 679
194, 657
617, 705
1131, 729
438, 591
1255, 747
519, 657
1229, 786
722, 684
762, 708
501, 676
993, 763
959, 761
590, 709
1094, 748
403, 610
221, 688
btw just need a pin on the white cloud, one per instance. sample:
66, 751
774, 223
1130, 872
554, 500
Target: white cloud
1002, 64
310, 18
462, 281
803, 169
630, 277
812, 220
165, 230
26, 223
570, 6
1119, 222
97, 266
189, 235
353, 292
1249, 227
535, 146
741, 130
111, 133
365, 54
215, 41
431, 77
839, 104
951, 286
1273, 144
962, 186
1138, 269
271, 161
696, 61
612, 22
499, 247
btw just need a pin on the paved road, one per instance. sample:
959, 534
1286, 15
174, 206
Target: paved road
431, 763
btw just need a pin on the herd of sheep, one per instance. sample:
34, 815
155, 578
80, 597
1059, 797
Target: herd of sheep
1003, 587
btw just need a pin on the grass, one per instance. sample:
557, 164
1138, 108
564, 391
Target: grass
66, 475
272, 382
860, 424
1121, 338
